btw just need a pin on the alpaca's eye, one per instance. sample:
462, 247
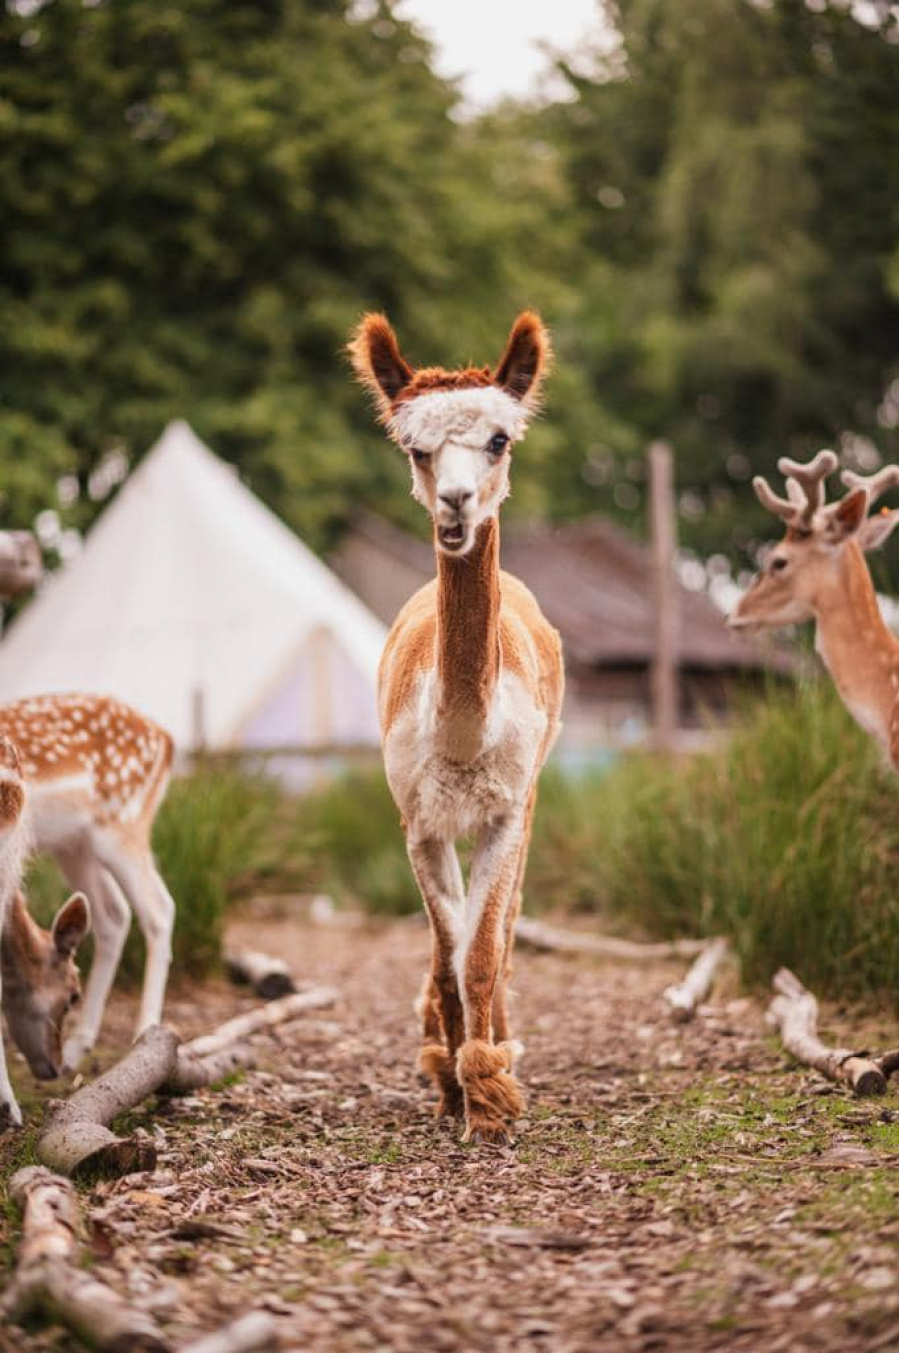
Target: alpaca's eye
420, 457
498, 443
74, 999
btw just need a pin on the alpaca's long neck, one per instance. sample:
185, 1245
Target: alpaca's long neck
468, 645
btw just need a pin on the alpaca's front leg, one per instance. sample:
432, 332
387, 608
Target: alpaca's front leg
436, 868
492, 1096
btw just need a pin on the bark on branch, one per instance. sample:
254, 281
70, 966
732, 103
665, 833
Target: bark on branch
76, 1136
794, 1012
550, 939
49, 1282
683, 998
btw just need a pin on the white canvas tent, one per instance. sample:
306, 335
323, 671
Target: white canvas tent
193, 602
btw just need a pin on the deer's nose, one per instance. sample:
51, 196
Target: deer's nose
456, 499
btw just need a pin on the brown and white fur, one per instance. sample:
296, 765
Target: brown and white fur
470, 692
39, 982
818, 571
96, 772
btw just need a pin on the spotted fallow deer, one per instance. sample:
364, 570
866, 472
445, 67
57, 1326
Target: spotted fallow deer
39, 982
470, 694
818, 571
96, 772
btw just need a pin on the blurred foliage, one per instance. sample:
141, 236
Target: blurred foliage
200, 199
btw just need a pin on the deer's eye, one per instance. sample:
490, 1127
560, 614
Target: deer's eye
420, 457
779, 564
74, 999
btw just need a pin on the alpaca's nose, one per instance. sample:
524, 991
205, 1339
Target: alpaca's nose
456, 499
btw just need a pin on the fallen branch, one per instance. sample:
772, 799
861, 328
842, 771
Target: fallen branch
259, 1019
269, 977
48, 1280
683, 997
549, 939
794, 1012
76, 1136
252, 1332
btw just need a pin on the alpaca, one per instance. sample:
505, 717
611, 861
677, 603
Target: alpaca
470, 695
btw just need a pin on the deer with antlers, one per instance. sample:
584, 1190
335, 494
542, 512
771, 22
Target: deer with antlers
96, 772
470, 693
818, 571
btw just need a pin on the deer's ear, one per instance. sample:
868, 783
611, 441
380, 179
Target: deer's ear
524, 363
378, 362
73, 921
876, 531
848, 515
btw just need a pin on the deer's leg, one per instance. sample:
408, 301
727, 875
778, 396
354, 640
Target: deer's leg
9, 1109
492, 1097
134, 871
111, 920
500, 1013
436, 868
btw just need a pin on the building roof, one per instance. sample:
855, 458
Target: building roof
592, 579
187, 583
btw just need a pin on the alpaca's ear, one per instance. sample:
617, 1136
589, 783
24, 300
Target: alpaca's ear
378, 362
523, 365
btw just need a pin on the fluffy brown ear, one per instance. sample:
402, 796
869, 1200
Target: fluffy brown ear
378, 362
875, 531
523, 365
846, 518
73, 921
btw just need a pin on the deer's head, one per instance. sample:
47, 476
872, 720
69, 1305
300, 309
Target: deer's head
457, 427
820, 539
41, 983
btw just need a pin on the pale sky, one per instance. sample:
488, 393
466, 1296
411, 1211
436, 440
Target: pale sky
494, 45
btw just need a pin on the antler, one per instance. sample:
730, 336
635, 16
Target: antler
805, 488
877, 484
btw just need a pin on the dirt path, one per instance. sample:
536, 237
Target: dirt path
670, 1188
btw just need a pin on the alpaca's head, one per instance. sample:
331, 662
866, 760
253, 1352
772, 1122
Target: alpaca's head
457, 427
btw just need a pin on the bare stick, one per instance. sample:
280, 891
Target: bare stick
888, 1062
49, 1281
259, 1019
252, 1332
269, 977
193, 1073
683, 997
794, 1012
76, 1135
554, 941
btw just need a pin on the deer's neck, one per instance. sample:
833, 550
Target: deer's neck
468, 646
858, 648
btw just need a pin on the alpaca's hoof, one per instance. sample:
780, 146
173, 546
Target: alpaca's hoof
487, 1135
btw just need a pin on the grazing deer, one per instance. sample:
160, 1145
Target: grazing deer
39, 982
96, 772
470, 693
818, 571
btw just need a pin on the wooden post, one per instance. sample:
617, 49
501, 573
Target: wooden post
663, 539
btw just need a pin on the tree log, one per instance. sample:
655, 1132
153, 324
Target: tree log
794, 1012
252, 1332
551, 940
269, 977
76, 1136
683, 997
48, 1280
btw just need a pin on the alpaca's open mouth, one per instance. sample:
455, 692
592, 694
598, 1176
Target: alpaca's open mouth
451, 537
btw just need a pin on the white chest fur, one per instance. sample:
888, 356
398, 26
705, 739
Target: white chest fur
443, 797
